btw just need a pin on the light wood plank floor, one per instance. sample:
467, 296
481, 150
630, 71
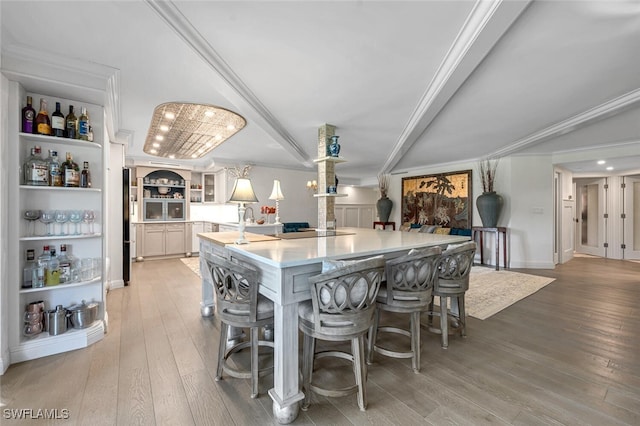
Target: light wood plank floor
569, 354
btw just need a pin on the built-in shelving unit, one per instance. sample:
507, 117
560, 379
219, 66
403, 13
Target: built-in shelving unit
23, 235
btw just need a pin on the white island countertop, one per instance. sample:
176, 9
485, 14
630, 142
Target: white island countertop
352, 242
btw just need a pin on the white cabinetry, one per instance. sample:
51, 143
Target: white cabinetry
196, 228
87, 243
162, 239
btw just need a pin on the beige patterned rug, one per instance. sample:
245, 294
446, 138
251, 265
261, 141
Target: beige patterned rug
490, 291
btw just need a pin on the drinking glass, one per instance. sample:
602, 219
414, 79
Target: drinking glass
48, 217
62, 217
32, 216
86, 269
88, 217
75, 217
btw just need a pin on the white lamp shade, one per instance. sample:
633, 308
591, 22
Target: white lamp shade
276, 193
243, 192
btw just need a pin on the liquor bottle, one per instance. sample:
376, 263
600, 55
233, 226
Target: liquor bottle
66, 263
52, 270
70, 172
83, 125
30, 268
85, 176
36, 172
43, 261
55, 176
57, 122
28, 116
43, 123
71, 124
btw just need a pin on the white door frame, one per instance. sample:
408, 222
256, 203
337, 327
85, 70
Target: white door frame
595, 210
631, 223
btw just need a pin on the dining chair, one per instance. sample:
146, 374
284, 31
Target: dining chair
238, 304
407, 290
454, 267
341, 309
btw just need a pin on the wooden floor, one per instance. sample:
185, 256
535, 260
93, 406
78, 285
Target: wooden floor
569, 354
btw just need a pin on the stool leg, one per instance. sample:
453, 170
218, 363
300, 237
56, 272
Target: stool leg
254, 362
224, 328
430, 313
444, 322
360, 370
308, 351
463, 316
415, 341
373, 334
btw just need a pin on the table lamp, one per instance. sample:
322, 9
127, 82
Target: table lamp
242, 193
276, 194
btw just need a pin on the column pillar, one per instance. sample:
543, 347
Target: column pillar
326, 177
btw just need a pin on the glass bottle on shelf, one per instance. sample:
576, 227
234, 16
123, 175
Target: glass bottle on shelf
57, 122
36, 171
52, 271
66, 264
70, 172
55, 176
28, 116
43, 261
30, 269
83, 125
71, 124
43, 123
85, 176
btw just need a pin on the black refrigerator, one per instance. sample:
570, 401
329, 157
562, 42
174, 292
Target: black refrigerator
126, 225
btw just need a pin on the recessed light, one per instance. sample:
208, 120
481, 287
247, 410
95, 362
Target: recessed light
156, 145
159, 137
169, 115
609, 168
209, 113
164, 128
172, 156
153, 151
194, 155
231, 127
601, 161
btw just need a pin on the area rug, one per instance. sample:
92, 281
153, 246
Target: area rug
490, 291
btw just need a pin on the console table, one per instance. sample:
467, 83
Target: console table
497, 231
384, 225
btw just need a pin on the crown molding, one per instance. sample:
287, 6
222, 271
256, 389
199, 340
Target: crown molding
604, 110
229, 83
483, 28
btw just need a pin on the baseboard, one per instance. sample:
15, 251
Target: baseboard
116, 284
532, 265
5, 361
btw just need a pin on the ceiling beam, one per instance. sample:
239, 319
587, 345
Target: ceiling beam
485, 25
228, 82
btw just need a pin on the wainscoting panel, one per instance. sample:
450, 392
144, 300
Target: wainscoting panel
355, 215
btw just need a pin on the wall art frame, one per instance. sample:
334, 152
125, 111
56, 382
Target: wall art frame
442, 199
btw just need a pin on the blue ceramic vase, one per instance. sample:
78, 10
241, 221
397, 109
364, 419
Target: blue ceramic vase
334, 146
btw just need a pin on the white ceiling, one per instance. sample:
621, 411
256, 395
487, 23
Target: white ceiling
407, 84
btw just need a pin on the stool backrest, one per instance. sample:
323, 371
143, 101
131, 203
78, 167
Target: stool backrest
454, 267
410, 278
235, 286
343, 299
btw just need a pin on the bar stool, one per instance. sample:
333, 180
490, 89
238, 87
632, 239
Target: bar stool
341, 309
407, 290
238, 304
453, 281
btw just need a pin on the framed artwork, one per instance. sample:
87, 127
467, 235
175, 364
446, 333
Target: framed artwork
441, 199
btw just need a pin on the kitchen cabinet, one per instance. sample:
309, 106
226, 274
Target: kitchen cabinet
196, 228
163, 239
84, 240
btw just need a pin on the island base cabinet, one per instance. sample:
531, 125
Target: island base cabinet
163, 239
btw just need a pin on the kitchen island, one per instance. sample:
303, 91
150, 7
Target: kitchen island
285, 266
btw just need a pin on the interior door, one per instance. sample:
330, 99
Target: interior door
567, 245
632, 218
590, 224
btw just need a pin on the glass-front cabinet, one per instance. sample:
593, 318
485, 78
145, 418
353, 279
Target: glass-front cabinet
163, 210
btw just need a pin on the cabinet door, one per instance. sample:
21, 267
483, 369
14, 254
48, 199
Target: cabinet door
197, 228
154, 240
175, 238
209, 187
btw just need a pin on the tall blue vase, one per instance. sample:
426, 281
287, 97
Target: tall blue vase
489, 207
334, 147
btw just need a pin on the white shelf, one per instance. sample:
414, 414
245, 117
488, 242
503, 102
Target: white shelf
330, 195
331, 159
56, 140
61, 286
59, 188
60, 237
